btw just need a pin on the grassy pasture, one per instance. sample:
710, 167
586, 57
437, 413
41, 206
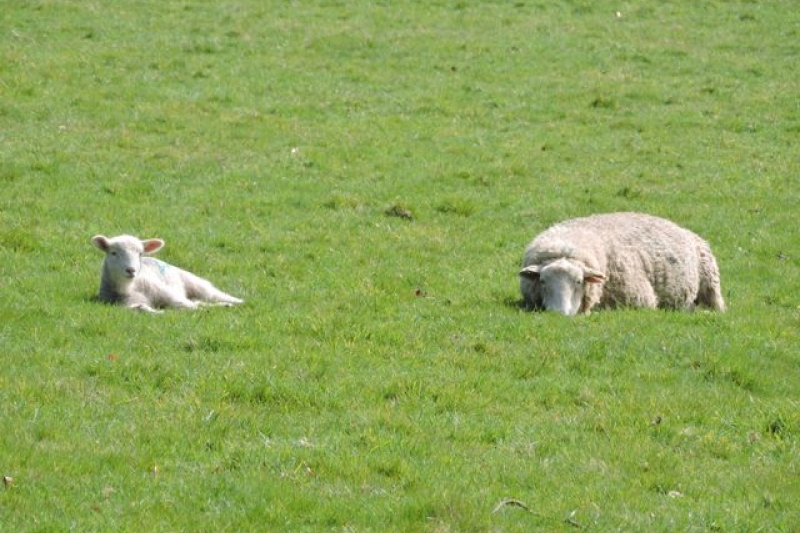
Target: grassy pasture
366, 175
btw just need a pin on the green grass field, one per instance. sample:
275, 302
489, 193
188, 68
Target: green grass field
366, 176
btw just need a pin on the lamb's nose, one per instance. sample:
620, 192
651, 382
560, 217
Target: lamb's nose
130, 270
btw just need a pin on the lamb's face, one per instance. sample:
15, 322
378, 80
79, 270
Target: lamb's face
562, 286
123, 260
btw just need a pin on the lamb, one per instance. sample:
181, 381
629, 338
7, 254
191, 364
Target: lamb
619, 260
147, 284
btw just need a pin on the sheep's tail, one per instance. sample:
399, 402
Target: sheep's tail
710, 290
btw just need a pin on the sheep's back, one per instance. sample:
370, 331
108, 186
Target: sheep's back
157, 272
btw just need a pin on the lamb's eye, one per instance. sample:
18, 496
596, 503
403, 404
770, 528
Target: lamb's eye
113, 253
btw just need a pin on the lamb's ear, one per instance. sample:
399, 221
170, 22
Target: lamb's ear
101, 242
151, 246
530, 272
593, 276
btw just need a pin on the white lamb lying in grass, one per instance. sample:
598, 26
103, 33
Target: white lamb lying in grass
147, 284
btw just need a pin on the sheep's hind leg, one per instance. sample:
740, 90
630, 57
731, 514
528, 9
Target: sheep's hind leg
174, 297
144, 308
205, 293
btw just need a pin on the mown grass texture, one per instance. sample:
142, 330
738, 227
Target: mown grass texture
366, 176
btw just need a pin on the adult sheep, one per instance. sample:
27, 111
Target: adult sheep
619, 260
147, 284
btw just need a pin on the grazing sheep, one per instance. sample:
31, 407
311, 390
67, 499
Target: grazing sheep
147, 284
619, 260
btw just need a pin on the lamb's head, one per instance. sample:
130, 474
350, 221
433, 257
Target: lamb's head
123, 260
562, 284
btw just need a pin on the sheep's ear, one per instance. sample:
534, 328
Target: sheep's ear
593, 276
151, 246
530, 272
101, 242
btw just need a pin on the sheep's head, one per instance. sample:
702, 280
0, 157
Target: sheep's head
123, 260
562, 284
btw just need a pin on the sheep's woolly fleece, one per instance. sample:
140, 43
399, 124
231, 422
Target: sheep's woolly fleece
626, 260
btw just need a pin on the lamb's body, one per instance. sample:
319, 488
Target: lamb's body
626, 260
147, 284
